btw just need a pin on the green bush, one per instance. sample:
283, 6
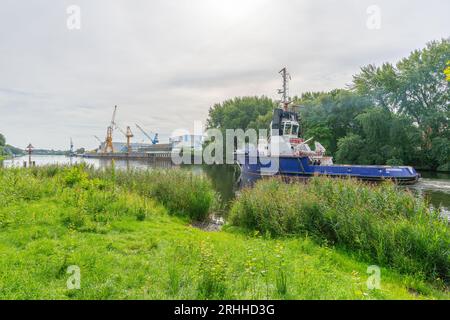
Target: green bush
21, 185
75, 175
381, 223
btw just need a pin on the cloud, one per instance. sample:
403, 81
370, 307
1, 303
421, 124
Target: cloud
164, 63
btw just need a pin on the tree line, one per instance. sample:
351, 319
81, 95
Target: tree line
6, 149
393, 114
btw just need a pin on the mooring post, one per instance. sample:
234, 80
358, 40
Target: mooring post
29, 149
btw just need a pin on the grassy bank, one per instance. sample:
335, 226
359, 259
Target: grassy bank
131, 240
380, 223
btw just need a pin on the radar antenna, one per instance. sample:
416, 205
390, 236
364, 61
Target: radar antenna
285, 90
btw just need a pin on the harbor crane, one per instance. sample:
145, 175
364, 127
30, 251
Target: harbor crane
128, 134
153, 140
99, 141
109, 133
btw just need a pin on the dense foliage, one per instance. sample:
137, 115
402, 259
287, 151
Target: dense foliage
2, 144
383, 224
391, 114
240, 113
417, 89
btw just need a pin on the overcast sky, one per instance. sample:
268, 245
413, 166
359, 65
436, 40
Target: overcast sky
164, 63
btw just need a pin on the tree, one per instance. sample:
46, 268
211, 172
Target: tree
378, 84
417, 88
331, 116
447, 71
423, 89
388, 138
262, 121
440, 153
2, 144
238, 113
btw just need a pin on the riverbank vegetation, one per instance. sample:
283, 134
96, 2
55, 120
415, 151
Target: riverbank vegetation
379, 223
131, 236
390, 114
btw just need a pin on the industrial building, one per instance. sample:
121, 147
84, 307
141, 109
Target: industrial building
153, 149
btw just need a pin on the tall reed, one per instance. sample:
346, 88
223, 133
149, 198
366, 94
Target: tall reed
180, 191
381, 223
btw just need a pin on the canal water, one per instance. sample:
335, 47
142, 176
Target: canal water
435, 187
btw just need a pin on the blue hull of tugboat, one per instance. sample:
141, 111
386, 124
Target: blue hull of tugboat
300, 166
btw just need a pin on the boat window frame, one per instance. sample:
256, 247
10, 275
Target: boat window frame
296, 126
285, 126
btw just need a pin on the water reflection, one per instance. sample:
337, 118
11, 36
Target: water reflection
435, 187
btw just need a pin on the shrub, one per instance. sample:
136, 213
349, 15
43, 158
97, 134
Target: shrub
75, 176
18, 185
381, 223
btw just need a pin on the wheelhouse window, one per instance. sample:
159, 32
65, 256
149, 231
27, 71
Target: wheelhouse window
287, 128
295, 130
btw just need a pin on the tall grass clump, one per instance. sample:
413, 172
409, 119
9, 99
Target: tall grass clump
381, 223
212, 271
17, 184
180, 191
92, 203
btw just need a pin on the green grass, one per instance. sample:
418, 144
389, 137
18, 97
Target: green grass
129, 245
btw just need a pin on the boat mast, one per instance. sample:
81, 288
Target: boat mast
285, 90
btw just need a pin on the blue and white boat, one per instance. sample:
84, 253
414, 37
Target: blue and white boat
285, 153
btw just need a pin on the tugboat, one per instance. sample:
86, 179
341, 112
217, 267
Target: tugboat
286, 154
